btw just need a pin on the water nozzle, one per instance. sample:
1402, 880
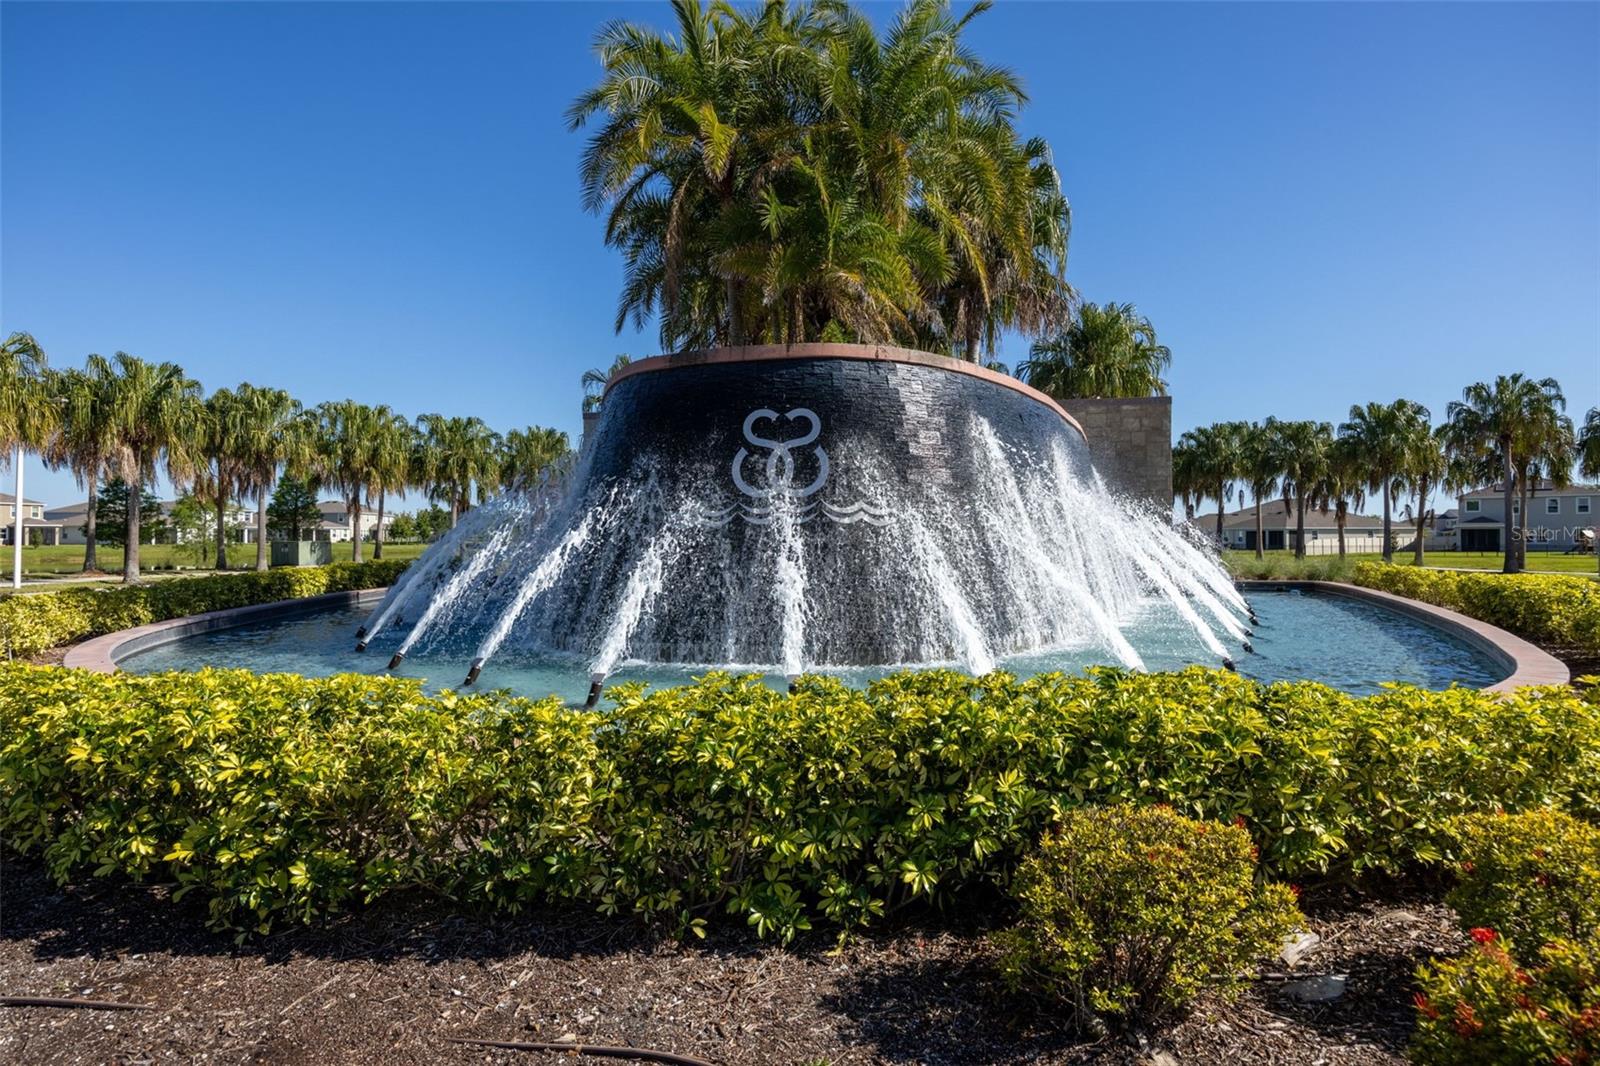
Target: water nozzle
1229, 664
1249, 647
596, 682
361, 632
473, 671
794, 683
394, 662
361, 644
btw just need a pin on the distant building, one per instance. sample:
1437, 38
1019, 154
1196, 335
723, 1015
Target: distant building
239, 521
1558, 519
33, 520
335, 524
1362, 533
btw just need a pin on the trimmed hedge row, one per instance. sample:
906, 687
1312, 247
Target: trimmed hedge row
278, 796
1560, 610
32, 623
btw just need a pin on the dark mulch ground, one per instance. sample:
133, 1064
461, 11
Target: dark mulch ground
388, 985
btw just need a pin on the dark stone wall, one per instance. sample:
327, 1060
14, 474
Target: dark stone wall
907, 421
1130, 442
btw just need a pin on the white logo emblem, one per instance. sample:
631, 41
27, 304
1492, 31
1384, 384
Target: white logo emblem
780, 465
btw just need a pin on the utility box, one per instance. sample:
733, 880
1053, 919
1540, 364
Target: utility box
301, 553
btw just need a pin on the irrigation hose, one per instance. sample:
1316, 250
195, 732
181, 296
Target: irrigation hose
600, 1050
86, 1004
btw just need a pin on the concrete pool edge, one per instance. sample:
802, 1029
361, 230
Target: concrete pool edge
1527, 663
102, 654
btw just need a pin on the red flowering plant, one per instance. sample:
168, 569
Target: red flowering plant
1485, 1009
1533, 877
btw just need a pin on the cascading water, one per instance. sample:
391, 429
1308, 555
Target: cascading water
779, 544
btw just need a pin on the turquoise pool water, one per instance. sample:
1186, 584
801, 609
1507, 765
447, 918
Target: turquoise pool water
1346, 643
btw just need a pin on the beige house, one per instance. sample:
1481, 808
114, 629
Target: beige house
33, 519
1362, 533
335, 524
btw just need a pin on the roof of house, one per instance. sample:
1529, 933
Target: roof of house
1543, 488
71, 510
1279, 514
6, 497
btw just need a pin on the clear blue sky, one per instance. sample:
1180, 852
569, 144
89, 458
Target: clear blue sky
1316, 204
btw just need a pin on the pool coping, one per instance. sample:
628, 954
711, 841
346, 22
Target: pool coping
1528, 664
102, 654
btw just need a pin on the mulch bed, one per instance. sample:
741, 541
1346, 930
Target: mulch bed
389, 984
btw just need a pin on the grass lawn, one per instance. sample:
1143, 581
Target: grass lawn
159, 560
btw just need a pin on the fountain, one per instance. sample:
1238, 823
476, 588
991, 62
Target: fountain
813, 507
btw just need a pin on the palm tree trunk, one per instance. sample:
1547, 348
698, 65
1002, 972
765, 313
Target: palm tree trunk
130, 558
1522, 523
1511, 565
1222, 487
1388, 542
1300, 526
355, 528
1260, 530
222, 528
1339, 519
91, 558
735, 319
377, 533
455, 512
1422, 516
262, 561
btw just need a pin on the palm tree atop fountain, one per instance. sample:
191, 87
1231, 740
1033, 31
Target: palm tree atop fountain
1106, 351
1496, 430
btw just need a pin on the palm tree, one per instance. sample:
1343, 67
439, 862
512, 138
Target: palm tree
345, 457
1261, 466
526, 456
461, 454
792, 174
391, 457
1497, 429
1426, 466
1109, 351
1186, 476
27, 418
595, 381
85, 442
269, 432
1305, 450
222, 449
1379, 435
1343, 483
1588, 449
155, 412
1218, 457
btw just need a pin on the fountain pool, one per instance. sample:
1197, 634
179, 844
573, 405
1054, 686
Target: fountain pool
1349, 644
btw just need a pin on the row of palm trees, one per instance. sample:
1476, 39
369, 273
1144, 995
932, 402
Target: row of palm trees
1512, 432
789, 173
129, 418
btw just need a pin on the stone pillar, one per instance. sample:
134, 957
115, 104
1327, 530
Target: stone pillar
1130, 443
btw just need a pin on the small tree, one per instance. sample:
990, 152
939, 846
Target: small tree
293, 509
111, 515
191, 526
403, 528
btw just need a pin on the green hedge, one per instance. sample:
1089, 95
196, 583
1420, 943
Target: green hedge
281, 796
1560, 610
35, 622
